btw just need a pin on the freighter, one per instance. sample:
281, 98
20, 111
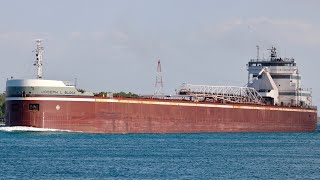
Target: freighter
272, 101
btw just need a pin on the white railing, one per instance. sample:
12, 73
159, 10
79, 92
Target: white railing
223, 93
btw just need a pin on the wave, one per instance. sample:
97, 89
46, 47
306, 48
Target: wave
29, 129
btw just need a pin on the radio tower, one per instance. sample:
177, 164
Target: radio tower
159, 83
38, 62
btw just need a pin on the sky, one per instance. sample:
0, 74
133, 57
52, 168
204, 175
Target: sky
114, 45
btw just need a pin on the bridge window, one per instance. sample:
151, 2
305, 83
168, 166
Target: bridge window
34, 107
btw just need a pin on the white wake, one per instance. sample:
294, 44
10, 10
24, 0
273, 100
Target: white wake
29, 129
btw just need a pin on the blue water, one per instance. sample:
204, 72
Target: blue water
61, 155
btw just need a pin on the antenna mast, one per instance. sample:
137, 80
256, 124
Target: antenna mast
38, 62
258, 49
159, 83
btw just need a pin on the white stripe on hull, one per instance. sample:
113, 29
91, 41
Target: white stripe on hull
49, 99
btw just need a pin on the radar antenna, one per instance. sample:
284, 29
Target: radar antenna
273, 53
159, 83
38, 61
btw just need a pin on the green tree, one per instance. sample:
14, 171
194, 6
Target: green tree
119, 94
127, 95
2, 104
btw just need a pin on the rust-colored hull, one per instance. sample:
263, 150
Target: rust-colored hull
98, 115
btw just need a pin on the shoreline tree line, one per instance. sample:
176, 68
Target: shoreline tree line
2, 104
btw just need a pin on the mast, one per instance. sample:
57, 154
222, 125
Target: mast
159, 83
258, 56
38, 61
